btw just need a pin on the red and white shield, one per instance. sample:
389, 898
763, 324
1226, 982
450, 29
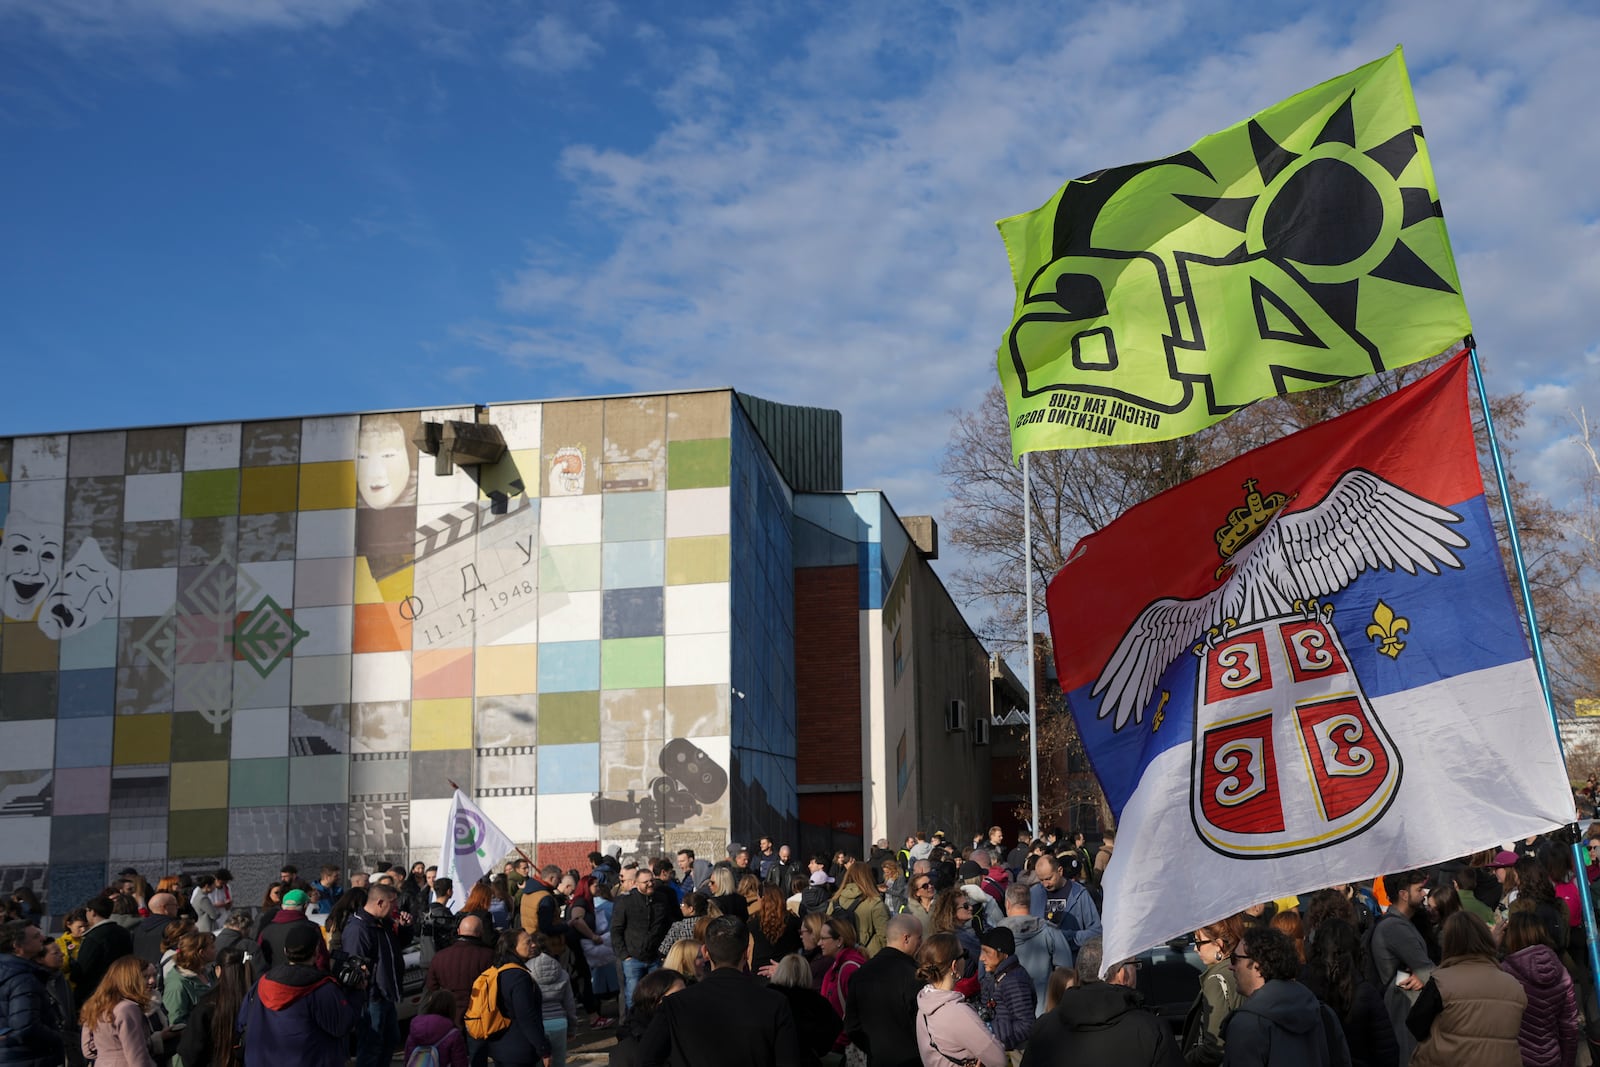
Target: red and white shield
1288, 755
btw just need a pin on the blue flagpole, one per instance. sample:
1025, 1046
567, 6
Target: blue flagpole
1580, 867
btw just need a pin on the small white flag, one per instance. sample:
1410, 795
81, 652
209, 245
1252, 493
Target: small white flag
472, 846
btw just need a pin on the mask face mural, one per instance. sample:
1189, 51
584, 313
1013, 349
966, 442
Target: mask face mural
30, 559
86, 593
383, 463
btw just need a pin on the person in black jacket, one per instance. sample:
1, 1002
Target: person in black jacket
653, 988
32, 1030
639, 922
369, 936
147, 935
104, 943
523, 1043
815, 1022
880, 1005
213, 1020
726, 1019
1007, 986
439, 922
1101, 1022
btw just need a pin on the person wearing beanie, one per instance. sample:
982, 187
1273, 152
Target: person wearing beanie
298, 1014
1007, 988
291, 916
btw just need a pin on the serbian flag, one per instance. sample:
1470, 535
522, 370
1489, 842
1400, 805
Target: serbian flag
1305, 668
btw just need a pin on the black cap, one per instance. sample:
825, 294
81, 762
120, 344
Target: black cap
303, 937
999, 938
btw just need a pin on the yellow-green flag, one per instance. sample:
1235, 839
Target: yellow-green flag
1299, 247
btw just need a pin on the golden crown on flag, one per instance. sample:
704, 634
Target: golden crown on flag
1245, 522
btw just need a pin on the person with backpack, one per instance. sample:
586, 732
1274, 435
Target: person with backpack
859, 901
297, 1014
434, 1040
506, 1009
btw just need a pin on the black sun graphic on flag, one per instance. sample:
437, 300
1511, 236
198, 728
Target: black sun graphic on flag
1333, 214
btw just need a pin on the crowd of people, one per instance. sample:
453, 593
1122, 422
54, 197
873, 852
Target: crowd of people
931, 954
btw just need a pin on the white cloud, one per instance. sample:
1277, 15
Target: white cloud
551, 46
818, 228
79, 21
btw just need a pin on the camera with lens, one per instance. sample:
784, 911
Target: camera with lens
353, 972
690, 779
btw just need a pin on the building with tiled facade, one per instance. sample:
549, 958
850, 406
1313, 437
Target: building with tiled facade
241, 644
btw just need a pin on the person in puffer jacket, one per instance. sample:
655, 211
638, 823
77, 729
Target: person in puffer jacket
947, 1030
435, 1024
560, 1012
32, 1030
296, 1014
1551, 1031
1007, 988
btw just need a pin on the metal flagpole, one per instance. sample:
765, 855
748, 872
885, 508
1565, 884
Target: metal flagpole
1033, 671
1578, 857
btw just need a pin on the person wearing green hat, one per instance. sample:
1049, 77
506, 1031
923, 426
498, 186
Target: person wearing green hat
290, 917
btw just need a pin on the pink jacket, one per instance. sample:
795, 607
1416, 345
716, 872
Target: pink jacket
949, 1032
120, 1041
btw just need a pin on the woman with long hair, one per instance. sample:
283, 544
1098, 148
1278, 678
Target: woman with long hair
174, 932
1219, 992
350, 901
1535, 892
1470, 1011
114, 1029
858, 900
652, 989
684, 957
775, 931
1443, 901
500, 901
952, 914
480, 902
894, 887
814, 1021
191, 965
1333, 973
1061, 980
1551, 1029
210, 1039
844, 960
1558, 867
948, 1031
920, 898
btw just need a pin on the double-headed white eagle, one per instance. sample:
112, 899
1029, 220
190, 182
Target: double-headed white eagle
1364, 523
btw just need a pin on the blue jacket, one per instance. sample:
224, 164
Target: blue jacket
296, 1014
32, 1033
371, 939
1070, 909
1009, 990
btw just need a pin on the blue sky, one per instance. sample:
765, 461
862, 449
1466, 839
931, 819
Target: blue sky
223, 209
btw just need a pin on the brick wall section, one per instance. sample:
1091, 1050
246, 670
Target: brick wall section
568, 855
827, 675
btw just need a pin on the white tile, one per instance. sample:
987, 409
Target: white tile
697, 609
34, 458
380, 676
428, 818
260, 732
324, 581
147, 593
213, 447
575, 618
519, 424
43, 501
328, 630
321, 680
697, 512
697, 659
250, 690
326, 534
566, 817
516, 816
274, 579
328, 439
27, 746
25, 841
149, 497
455, 488
570, 520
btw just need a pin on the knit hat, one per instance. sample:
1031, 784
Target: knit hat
999, 938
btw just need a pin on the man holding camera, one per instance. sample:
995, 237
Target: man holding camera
296, 1013
368, 937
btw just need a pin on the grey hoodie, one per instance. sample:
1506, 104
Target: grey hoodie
1041, 948
555, 987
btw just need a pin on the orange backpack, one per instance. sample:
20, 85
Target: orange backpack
483, 1019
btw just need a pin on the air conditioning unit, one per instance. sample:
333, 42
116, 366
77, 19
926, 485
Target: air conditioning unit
980, 731
955, 715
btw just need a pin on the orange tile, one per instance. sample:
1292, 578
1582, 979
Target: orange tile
440, 673
381, 628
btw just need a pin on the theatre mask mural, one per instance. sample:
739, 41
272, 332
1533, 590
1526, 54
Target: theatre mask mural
30, 560
85, 594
